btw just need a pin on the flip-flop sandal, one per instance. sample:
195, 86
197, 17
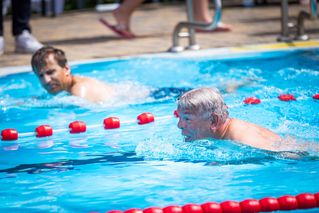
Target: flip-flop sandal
116, 30
218, 29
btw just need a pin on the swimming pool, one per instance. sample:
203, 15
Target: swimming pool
149, 165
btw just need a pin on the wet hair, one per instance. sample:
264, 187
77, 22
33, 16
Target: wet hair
204, 101
39, 57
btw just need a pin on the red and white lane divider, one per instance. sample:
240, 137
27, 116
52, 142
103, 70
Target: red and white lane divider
76, 127
267, 204
114, 122
282, 97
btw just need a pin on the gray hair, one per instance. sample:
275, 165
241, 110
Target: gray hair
204, 101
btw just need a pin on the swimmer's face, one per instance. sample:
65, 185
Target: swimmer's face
52, 76
193, 125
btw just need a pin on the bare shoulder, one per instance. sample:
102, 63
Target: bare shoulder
253, 135
80, 80
90, 89
79, 83
251, 127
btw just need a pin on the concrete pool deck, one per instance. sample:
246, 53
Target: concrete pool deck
82, 36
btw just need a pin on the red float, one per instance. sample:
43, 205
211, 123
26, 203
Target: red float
269, 204
77, 127
173, 209
317, 198
252, 100
316, 96
288, 202
44, 131
9, 134
250, 206
153, 210
230, 207
145, 118
111, 123
306, 201
176, 113
115, 211
212, 207
286, 97
133, 211
192, 208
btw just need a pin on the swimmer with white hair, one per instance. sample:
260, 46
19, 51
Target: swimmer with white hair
203, 114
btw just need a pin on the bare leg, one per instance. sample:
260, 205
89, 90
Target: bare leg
202, 14
123, 13
201, 11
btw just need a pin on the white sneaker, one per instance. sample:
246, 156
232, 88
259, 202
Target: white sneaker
26, 43
1, 45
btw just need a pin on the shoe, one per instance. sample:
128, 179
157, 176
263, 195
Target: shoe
26, 43
1, 45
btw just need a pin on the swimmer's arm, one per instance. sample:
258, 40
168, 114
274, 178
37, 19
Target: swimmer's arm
290, 144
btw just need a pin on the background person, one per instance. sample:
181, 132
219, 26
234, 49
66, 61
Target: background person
21, 30
124, 12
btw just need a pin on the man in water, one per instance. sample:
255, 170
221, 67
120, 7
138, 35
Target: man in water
51, 67
203, 114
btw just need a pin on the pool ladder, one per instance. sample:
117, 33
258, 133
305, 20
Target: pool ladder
300, 28
191, 25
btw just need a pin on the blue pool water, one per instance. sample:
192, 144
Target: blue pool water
150, 165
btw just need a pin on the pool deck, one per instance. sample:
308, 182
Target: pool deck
83, 37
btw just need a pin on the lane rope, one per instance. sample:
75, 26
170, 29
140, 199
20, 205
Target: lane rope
267, 204
76, 127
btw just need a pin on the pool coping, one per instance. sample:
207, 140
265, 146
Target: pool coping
217, 53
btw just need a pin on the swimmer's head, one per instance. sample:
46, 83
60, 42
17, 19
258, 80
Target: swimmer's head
200, 111
50, 65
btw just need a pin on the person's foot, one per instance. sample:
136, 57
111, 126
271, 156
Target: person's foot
26, 43
117, 29
122, 19
1, 45
221, 27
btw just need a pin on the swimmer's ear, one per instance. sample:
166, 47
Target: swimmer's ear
67, 69
215, 122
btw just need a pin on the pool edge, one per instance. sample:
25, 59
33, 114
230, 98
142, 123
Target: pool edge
4, 71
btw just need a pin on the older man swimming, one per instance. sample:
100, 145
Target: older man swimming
204, 114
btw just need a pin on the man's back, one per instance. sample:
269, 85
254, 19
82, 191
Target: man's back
252, 135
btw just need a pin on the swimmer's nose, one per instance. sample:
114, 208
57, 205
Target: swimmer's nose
46, 79
180, 124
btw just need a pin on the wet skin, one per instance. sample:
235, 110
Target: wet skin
193, 126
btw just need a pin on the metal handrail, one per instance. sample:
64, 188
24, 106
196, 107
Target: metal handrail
313, 9
300, 33
190, 25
